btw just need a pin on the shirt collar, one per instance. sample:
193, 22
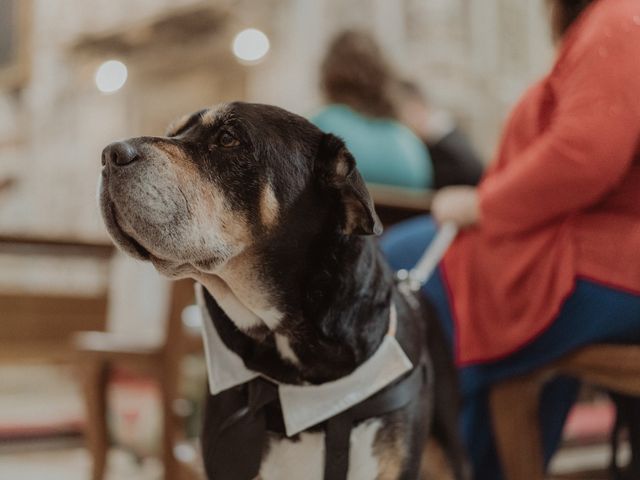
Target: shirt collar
306, 405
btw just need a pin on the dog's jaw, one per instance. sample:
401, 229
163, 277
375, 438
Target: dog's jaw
115, 231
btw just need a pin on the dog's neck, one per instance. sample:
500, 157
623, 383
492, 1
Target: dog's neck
244, 296
321, 310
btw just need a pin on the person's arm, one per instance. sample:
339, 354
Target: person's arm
589, 145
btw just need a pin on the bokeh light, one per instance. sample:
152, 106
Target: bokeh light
111, 76
250, 45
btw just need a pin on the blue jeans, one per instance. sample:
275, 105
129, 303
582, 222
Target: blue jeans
592, 314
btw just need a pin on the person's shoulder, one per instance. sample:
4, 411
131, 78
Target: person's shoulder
611, 19
402, 139
334, 116
347, 122
398, 129
330, 111
607, 33
389, 125
617, 10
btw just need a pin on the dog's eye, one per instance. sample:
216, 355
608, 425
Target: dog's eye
227, 140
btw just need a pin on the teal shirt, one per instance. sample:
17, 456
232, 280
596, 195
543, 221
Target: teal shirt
385, 151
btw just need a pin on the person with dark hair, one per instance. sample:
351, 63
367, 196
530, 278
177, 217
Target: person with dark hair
357, 82
454, 160
548, 257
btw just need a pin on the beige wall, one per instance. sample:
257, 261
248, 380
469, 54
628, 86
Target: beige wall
473, 57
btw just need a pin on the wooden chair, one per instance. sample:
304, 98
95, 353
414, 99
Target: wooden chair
394, 204
515, 404
37, 324
99, 352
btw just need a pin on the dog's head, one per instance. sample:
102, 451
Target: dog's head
223, 181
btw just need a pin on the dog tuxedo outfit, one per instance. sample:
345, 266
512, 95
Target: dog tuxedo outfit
247, 405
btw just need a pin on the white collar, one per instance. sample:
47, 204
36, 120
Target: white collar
305, 406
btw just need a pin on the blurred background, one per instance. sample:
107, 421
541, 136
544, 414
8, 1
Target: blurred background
76, 75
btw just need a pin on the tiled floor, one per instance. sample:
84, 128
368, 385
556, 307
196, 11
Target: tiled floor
34, 395
594, 457
74, 464
39, 401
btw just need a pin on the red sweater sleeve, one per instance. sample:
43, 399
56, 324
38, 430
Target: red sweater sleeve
591, 140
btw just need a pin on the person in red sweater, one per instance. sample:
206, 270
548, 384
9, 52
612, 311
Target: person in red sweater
548, 259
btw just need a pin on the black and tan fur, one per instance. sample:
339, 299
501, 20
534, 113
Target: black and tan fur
271, 215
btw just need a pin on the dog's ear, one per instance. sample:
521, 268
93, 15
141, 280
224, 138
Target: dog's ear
336, 170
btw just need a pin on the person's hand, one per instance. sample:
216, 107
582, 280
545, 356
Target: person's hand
457, 204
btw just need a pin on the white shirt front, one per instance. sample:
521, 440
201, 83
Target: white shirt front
306, 405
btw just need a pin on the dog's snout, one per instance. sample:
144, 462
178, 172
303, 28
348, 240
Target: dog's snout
119, 153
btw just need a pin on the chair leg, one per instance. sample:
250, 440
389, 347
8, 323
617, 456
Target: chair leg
514, 406
168, 386
95, 380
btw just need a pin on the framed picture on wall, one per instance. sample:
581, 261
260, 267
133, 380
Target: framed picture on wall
14, 43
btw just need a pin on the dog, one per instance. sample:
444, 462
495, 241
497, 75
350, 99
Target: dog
270, 215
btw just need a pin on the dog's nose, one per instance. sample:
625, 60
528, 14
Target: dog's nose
119, 153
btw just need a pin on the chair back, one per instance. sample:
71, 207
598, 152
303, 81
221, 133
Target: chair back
52, 289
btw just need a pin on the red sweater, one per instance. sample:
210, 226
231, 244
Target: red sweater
562, 199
